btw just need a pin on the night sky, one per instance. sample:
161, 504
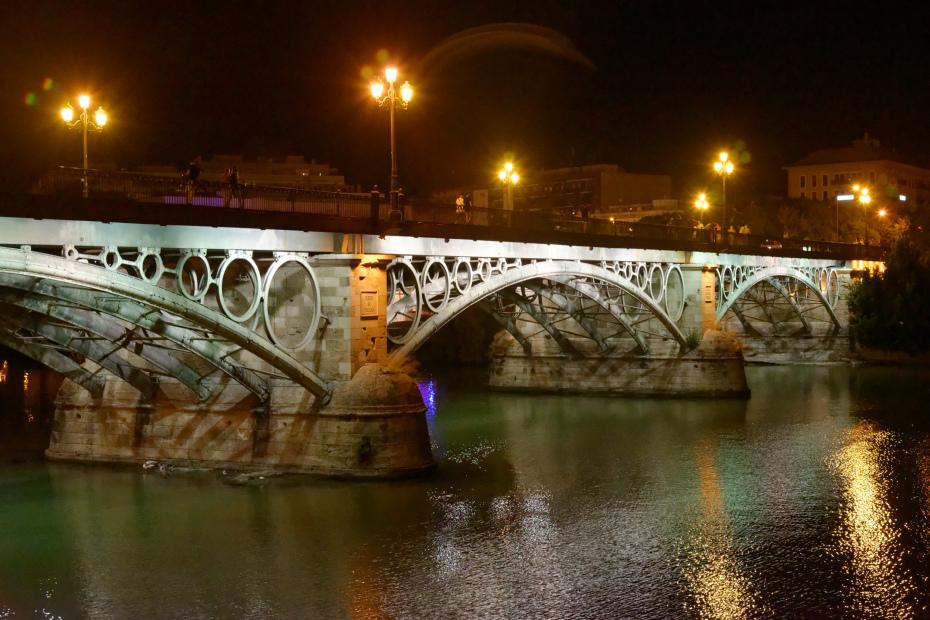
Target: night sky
669, 83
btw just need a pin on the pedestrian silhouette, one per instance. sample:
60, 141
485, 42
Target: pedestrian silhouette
468, 206
459, 209
192, 176
233, 189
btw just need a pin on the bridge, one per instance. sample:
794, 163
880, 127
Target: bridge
278, 332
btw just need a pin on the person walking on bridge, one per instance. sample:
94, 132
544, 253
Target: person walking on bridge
698, 230
233, 189
469, 204
192, 176
460, 209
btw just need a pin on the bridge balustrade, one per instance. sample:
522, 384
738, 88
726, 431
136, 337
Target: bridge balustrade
439, 220
211, 194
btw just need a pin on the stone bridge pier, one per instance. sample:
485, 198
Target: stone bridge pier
290, 350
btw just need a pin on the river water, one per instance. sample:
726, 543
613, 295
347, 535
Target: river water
810, 499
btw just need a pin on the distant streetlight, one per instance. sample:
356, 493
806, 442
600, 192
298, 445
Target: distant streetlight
86, 124
865, 199
388, 96
509, 177
701, 204
724, 167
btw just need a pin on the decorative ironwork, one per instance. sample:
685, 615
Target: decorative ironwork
603, 302
151, 301
196, 273
782, 295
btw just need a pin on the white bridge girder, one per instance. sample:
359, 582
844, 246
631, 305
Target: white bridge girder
73, 340
142, 303
89, 309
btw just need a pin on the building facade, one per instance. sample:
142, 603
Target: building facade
594, 189
828, 173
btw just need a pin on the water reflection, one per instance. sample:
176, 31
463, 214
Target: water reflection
806, 501
427, 389
869, 536
716, 579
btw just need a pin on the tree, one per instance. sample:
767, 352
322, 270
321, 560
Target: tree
891, 310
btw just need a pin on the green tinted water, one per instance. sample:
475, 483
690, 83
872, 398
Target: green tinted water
812, 498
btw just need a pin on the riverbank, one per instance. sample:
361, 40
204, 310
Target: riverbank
884, 357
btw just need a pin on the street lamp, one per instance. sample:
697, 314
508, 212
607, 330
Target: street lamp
509, 177
86, 124
724, 167
864, 199
388, 96
701, 204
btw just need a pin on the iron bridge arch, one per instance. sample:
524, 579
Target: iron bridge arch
52, 307
793, 285
426, 293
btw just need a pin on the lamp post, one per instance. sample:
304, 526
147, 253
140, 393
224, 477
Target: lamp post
508, 177
836, 204
864, 199
388, 96
702, 205
724, 167
83, 120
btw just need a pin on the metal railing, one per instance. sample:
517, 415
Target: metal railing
210, 194
438, 220
645, 235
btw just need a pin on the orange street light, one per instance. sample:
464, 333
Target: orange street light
86, 124
388, 97
865, 199
509, 177
724, 167
701, 204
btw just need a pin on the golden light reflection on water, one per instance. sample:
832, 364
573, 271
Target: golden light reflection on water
883, 587
923, 483
715, 578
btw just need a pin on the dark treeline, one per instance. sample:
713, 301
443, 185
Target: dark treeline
892, 310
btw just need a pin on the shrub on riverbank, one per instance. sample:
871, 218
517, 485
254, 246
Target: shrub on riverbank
892, 310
